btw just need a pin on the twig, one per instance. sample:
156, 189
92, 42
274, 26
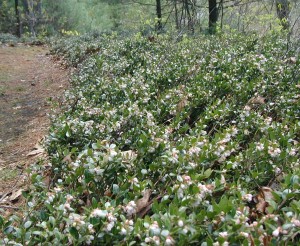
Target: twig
6, 206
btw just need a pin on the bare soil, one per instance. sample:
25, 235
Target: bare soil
29, 82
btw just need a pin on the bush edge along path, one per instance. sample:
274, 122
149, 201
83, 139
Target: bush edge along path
168, 143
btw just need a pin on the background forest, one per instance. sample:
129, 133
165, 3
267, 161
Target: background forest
46, 17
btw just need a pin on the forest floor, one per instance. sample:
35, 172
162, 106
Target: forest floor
29, 82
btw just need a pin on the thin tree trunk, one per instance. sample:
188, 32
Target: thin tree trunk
18, 24
159, 16
283, 12
176, 14
213, 15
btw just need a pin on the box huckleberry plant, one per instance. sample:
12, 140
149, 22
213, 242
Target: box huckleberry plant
170, 143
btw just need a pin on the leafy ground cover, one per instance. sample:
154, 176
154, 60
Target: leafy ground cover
167, 143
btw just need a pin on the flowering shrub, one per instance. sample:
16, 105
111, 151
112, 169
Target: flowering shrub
168, 143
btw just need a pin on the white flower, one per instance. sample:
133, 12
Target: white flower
260, 146
154, 228
67, 206
180, 223
296, 222
111, 218
187, 179
244, 234
50, 199
156, 240
99, 213
111, 151
109, 226
169, 241
123, 231
276, 232
174, 154
273, 151
247, 197
69, 198
223, 234
278, 171
57, 189
292, 152
165, 233
91, 228
194, 150
130, 208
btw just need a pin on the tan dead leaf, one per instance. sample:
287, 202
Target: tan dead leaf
298, 86
108, 193
182, 103
293, 60
267, 193
67, 159
2, 161
261, 204
37, 149
258, 100
15, 195
128, 156
263, 198
143, 202
38, 145
267, 240
36, 152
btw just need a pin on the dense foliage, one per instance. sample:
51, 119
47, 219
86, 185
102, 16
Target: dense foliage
166, 142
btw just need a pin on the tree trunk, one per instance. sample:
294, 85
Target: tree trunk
213, 16
18, 24
283, 12
159, 16
176, 14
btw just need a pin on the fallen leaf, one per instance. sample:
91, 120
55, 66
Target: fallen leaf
293, 60
182, 103
108, 193
128, 156
16, 195
267, 193
143, 202
67, 159
36, 152
263, 198
258, 100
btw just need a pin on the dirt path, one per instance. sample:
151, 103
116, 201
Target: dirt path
28, 79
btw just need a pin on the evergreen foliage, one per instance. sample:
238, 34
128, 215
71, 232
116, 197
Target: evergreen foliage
170, 143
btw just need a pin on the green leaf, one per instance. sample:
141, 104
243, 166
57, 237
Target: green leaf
88, 176
116, 189
8, 230
73, 231
207, 173
94, 202
1, 221
27, 224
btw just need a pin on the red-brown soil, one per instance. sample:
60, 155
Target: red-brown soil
29, 82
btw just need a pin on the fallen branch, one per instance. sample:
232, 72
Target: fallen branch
7, 207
